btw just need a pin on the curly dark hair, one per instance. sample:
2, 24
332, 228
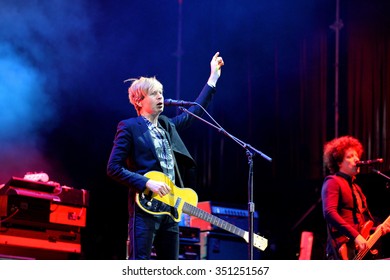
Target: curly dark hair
334, 151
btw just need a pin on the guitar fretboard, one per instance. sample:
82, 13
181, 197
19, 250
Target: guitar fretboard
199, 213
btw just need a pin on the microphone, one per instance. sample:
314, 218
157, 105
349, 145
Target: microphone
172, 102
369, 162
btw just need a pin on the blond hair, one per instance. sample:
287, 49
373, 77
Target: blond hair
140, 88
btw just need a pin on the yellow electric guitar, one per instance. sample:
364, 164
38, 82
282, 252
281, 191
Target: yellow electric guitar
185, 200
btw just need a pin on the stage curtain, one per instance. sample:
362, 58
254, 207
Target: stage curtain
368, 77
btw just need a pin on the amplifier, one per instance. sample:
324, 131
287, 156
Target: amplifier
189, 234
52, 236
189, 247
10, 252
40, 213
232, 214
187, 251
22, 208
68, 215
221, 246
45, 244
54, 192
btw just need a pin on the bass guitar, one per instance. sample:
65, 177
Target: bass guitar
365, 232
185, 200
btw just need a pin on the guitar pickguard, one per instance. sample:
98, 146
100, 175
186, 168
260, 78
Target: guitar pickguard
155, 206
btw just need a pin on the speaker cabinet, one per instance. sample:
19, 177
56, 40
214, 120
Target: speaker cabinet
189, 251
220, 246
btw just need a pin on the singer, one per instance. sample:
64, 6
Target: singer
151, 142
344, 205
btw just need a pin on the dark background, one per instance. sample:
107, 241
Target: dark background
62, 67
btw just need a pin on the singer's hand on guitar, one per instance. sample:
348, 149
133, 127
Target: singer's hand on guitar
360, 242
157, 187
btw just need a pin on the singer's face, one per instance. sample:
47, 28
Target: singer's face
348, 165
153, 103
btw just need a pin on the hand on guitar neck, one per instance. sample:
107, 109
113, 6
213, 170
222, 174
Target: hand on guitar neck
364, 241
361, 242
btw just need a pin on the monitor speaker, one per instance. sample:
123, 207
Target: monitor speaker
220, 246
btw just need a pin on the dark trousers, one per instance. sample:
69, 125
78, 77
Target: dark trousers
146, 230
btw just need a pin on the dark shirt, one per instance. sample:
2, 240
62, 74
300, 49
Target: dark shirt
341, 206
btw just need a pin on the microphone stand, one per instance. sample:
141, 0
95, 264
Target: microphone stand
383, 175
250, 152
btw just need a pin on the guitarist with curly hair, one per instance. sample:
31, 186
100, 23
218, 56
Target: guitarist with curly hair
345, 209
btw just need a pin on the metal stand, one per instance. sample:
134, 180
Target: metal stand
336, 26
250, 152
383, 175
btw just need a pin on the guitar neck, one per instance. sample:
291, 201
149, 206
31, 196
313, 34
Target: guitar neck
199, 213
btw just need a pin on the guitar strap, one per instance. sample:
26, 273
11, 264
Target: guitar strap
356, 192
177, 169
